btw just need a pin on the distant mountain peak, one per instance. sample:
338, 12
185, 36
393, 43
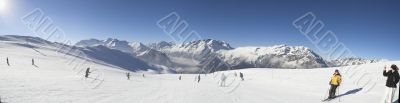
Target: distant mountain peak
213, 45
161, 45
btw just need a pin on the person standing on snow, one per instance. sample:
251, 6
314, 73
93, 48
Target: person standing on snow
33, 62
87, 72
335, 83
8, 63
198, 79
180, 78
241, 76
128, 75
391, 83
223, 78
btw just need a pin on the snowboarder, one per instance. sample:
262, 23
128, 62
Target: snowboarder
223, 78
198, 79
87, 72
391, 83
241, 76
335, 83
128, 75
180, 77
8, 63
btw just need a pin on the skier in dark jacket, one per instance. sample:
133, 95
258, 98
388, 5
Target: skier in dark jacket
87, 72
128, 75
33, 61
8, 63
198, 79
241, 76
391, 83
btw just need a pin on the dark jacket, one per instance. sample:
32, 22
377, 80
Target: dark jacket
392, 78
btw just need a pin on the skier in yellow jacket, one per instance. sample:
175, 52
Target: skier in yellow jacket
335, 83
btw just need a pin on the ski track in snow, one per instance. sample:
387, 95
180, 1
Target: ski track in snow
54, 81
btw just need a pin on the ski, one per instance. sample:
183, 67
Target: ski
328, 99
325, 100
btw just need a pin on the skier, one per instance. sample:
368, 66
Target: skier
198, 79
241, 76
223, 78
143, 75
180, 78
8, 63
128, 75
335, 83
391, 83
87, 72
33, 62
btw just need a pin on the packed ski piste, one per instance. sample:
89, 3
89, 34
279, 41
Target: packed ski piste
29, 76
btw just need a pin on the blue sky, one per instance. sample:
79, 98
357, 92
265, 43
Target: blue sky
369, 28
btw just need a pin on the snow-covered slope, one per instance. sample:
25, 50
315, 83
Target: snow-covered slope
55, 79
95, 53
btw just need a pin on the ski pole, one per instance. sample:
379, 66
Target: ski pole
338, 93
327, 92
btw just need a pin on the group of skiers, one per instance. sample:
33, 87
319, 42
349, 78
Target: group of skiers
391, 73
222, 79
8, 62
392, 80
128, 75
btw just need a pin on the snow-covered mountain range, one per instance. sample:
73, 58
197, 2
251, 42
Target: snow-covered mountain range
353, 61
58, 76
278, 56
196, 56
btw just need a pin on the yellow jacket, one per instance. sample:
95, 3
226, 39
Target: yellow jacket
336, 80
